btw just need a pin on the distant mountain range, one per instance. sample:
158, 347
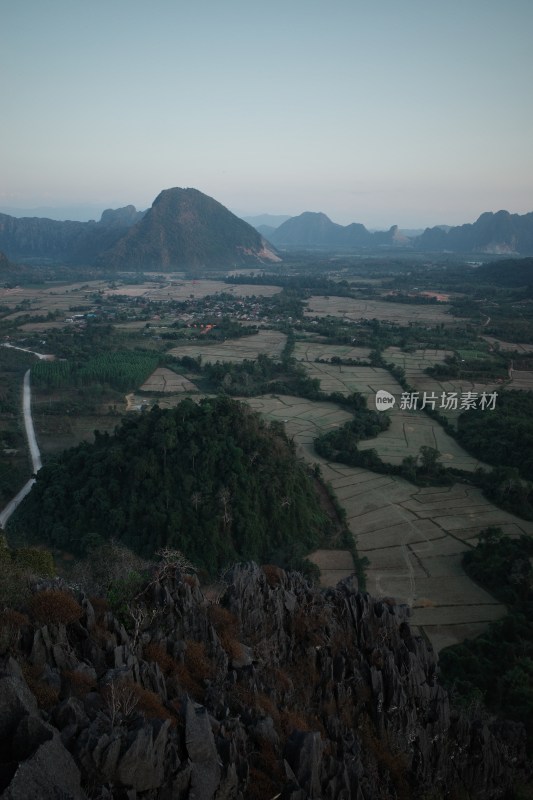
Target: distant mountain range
498, 233
312, 229
184, 229
187, 230
493, 233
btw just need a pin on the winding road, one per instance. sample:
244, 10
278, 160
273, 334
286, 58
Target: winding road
32, 443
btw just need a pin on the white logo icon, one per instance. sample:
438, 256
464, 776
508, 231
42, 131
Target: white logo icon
384, 400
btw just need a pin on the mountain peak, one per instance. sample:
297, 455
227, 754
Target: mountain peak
186, 229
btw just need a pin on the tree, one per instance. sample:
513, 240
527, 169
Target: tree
429, 457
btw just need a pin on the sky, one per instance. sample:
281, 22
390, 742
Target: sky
411, 112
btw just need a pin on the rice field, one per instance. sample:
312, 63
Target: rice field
309, 351
521, 379
176, 289
356, 310
408, 431
269, 342
413, 537
415, 365
167, 381
510, 346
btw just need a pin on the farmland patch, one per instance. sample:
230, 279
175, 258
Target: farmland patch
269, 342
358, 310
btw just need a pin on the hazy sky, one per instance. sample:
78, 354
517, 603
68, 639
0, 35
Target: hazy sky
414, 112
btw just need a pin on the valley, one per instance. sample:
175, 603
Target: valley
412, 536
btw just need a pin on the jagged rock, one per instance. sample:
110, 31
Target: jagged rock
49, 774
374, 719
142, 764
200, 743
303, 752
70, 712
16, 701
31, 732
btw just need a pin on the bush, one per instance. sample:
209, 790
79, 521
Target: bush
156, 652
11, 624
55, 606
47, 697
195, 669
226, 625
79, 683
38, 562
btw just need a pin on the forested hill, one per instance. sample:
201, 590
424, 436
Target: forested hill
214, 480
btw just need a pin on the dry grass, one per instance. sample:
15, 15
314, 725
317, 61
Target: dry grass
149, 703
156, 652
273, 574
79, 683
55, 606
293, 721
11, 624
196, 669
46, 696
227, 626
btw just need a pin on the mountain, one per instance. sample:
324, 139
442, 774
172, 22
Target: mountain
266, 231
5, 263
74, 242
186, 229
498, 233
82, 213
269, 220
312, 229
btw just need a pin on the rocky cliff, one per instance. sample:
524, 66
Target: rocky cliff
37, 238
497, 233
276, 690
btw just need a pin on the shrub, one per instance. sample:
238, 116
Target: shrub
293, 721
273, 574
150, 704
34, 560
14, 588
195, 669
55, 606
79, 683
47, 697
121, 595
226, 625
11, 623
156, 652
100, 606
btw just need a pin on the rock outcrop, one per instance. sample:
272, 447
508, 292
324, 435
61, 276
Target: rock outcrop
277, 690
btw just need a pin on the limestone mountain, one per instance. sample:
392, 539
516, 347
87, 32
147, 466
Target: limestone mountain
498, 233
312, 229
186, 229
5, 263
36, 238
